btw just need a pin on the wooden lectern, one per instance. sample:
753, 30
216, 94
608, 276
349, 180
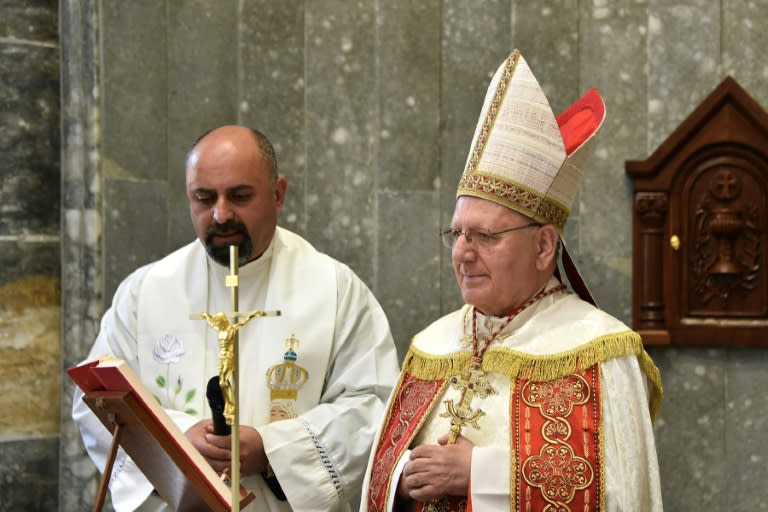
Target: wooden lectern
180, 475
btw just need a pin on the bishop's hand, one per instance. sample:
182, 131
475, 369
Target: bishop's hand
436, 471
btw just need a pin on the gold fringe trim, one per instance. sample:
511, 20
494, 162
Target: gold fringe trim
514, 364
654, 375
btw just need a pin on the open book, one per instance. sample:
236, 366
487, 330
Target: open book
181, 476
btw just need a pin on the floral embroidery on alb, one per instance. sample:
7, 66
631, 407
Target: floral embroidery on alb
169, 350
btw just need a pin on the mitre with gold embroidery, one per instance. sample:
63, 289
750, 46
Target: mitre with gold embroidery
525, 158
522, 156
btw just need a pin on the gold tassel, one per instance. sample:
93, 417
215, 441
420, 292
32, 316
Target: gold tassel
516, 364
428, 367
654, 375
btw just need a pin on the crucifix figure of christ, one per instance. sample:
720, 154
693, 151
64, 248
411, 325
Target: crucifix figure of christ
226, 335
228, 362
472, 383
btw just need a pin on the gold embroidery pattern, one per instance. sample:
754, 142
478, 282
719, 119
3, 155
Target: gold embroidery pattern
453, 504
538, 206
557, 471
557, 397
493, 110
408, 410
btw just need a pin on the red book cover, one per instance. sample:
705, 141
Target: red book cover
84, 378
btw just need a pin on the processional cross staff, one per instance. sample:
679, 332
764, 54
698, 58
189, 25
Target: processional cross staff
229, 361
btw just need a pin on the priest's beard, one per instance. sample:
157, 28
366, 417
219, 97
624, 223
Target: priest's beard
220, 253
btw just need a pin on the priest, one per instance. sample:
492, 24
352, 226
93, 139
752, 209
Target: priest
304, 442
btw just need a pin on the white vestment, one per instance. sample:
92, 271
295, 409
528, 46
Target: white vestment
344, 345
553, 337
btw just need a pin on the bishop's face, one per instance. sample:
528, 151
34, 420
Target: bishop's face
498, 277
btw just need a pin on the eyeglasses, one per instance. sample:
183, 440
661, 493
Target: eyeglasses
482, 238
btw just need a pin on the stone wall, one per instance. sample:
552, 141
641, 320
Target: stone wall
371, 106
30, 344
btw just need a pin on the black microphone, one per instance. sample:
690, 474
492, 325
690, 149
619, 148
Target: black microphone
216, 403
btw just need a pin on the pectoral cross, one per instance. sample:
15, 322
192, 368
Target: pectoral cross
228, 362
472, 383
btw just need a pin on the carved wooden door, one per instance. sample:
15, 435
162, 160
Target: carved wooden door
700, 228
719, 263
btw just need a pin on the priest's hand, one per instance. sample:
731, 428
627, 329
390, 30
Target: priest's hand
253, 459
435, 471
217, 449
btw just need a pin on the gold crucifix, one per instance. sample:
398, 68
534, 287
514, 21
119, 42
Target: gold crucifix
472, 383
228, 362
226, 335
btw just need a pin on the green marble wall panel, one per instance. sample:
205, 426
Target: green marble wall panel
19, 257
30, 297
201, 93
408, 47
475, 42
613, 50
408, 262
29, 137
135, 239
746, 409
407, 165
683, 58
30, 20
272, 92
691, 429
30, 475
744, 40
133, 88
340, 121
692, 46
547, 34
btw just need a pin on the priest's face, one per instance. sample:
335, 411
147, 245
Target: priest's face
502, 272
234, 196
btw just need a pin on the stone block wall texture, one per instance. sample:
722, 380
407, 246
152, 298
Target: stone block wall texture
371, 106
30, 297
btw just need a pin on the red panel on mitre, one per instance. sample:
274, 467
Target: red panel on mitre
581, 120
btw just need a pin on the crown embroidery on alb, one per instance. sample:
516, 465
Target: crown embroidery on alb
285, 379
